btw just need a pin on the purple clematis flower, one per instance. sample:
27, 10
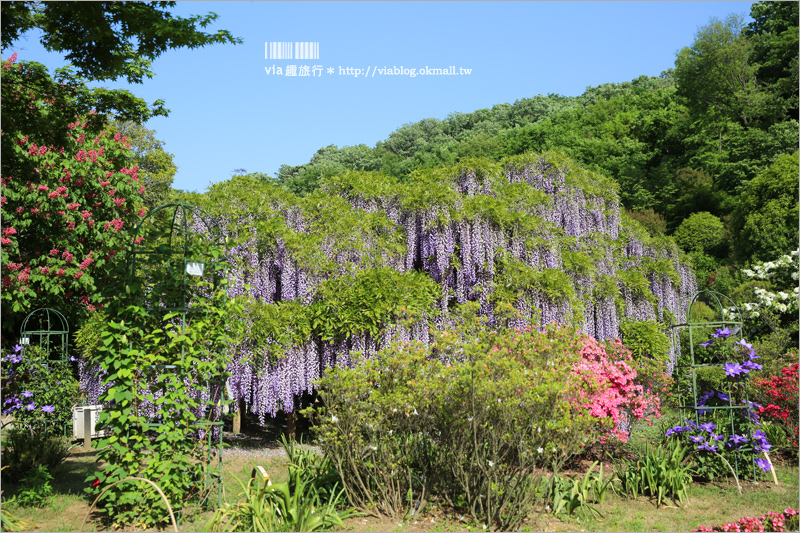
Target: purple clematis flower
707, 447
707, 343
17, 348
27, 394
697, 439
734, 369
708, 427
737, 440
750, 365
745, 344
724, 397
30, 407
763, 464
48, 408
722, 333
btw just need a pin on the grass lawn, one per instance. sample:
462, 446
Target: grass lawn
708, 503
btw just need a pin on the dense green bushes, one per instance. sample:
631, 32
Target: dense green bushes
474, 423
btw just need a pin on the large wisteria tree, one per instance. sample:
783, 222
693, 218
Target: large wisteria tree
335, 276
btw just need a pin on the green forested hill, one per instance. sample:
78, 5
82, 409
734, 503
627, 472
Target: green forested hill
689, 141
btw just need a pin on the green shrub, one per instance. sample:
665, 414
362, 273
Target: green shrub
36, 490
27, 449
476, 431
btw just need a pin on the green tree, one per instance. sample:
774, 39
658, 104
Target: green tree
775, 38
764, 224
156, 167
109, 40
702, 232
717, 74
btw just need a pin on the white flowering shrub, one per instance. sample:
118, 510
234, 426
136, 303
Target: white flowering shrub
780, 296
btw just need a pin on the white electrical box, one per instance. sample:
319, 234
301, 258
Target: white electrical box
78, 418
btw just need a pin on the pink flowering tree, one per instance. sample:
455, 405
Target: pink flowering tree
69, 198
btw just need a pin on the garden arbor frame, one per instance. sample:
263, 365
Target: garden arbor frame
697, 331
44, 324
51, 323
176, 248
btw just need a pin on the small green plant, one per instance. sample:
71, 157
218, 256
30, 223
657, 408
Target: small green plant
10, 522
36, 489
569, 495
26, 449
292, 506
315, 467
661, 473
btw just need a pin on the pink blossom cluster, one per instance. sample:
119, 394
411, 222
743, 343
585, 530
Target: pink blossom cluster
772, 521
609, 385
117, 224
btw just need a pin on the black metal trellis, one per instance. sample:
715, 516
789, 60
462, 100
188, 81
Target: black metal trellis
176, 250
689, 372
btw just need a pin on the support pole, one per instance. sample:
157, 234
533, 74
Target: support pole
88, 428
238, 417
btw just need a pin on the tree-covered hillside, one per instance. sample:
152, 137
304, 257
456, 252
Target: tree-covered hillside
689, 141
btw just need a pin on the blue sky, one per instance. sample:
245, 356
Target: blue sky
227, 113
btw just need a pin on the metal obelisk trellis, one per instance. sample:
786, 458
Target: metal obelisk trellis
690, 371
174, 250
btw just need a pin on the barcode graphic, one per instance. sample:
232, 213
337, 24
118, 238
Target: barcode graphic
291, 50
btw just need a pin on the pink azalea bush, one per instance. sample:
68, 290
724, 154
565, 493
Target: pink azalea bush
772, 521
609, 389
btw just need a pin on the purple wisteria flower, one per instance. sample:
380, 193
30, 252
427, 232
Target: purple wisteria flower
48, 408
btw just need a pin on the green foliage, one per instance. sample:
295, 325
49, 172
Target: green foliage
157, 373
108, 40
401, 427
660, 472
765, 219
572, 494
701, 232
369, 301
35, 490
301, 504
653, 222
717, 76
38, 391
25, 450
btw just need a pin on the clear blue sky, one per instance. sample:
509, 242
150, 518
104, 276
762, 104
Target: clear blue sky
227, 113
